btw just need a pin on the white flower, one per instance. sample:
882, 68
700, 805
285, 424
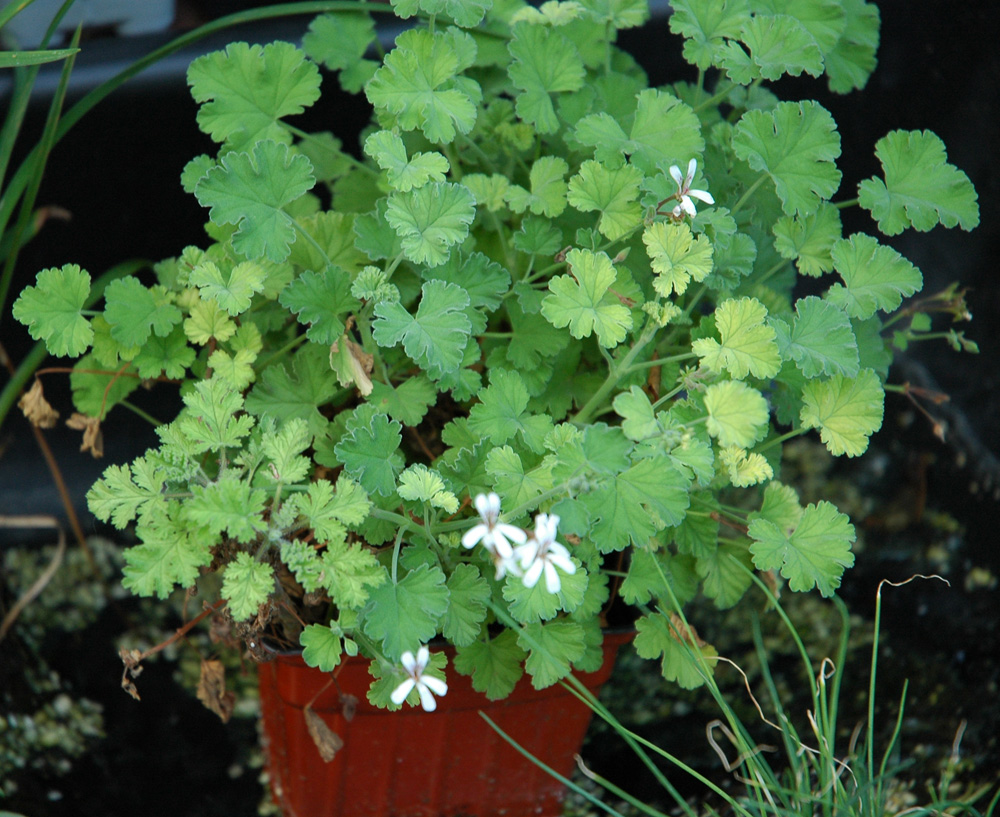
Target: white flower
543, 554
685, 193
495, 535
427, 685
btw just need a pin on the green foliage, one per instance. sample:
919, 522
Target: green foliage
536, 276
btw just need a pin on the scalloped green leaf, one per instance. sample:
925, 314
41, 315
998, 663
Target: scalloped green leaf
51, 309
875, 277
847, 411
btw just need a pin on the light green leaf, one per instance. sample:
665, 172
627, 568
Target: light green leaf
921, 190
465, 13
322, 300
370, 454
515, 485
321, 647
245, 90
809, 240
852, 60
284, 394
583, 301
796, 144
737, 414
171, 555
250, 190
418, 483
656, 636
348, 571
613, 193
677, 256
706, 25
747, 343
125, 491
51, 309
664, 131
419, 85
875, 277
548, 188
744, 468
814, 554
133, 311
552, 648
170, 356
820, 339
435, 335
213, 418
328, 512
340, 41
431, 219
95, 394
228, 504
502, 412
246, 584
232, 291
847, 411
404, 173
545, 63
779, 45
468, 594
496, 665
403, 615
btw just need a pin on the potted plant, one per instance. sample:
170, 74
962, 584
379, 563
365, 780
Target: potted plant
533, 349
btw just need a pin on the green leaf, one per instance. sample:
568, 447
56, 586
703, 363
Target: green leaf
747, 343
725, 573
232, 291
212, 419
465, 13
419, 85
515, 485
502, 412
809, 240
630, 507
246, 584
613, 193
545, 63
245, 90
328, 513
745, 468
171, 554
435, 335
706, 25
495, 664
228, 504
321, 647
170, 355
133, 311
582, 300
814, 553
677, 256
468, 594
737, 414
322, 300
847, 411
418, 483
340, 41
548, 188
875, 277
921, 190
125, 491
284, 449
552, 648
638, 418
370, 454
431, 219
408, 402
820, 339
852, 60
348, 572
484, 280
656, 636
51, 309
250, 190
407, 613
284, 394
796, 144
780, 44
94, 394
664, 131
403, 173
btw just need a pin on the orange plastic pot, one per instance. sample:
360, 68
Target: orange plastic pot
412, 763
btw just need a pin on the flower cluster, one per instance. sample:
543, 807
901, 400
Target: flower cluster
540, 554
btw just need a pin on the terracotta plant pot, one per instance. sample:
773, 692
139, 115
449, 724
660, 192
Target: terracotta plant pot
413, 763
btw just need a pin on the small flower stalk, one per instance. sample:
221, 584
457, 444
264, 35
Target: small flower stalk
427, 686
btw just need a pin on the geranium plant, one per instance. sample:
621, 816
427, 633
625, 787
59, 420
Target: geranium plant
533, 347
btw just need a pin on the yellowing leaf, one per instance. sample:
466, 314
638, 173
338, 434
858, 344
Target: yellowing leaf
737, 414
677, 256
847, 411
747, 342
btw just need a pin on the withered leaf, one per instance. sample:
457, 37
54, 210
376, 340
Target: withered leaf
348, 706
36, 408
327, 741
355, 365
93, 439
212, 689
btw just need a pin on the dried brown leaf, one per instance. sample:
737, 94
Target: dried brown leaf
36, 408
360, 362
327, 741
212, 689
93, 439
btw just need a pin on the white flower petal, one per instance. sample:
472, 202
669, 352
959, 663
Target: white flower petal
436, 685
426, 698
474, 535
552, 583
689, 177
399, 693
512, 532
675, 172
702, 195
423, 656
409, 662
562, 561
534, 573
688, 206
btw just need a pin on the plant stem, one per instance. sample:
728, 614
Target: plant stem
617, 372
750, 191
